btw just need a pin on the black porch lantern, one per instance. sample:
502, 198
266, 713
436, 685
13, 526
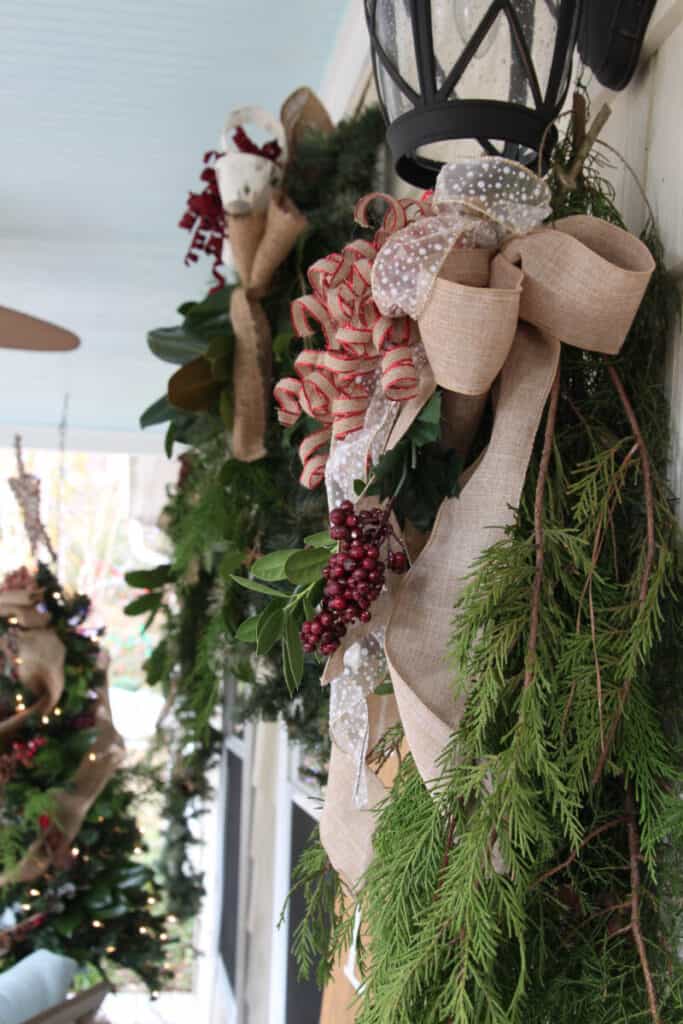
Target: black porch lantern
458, 77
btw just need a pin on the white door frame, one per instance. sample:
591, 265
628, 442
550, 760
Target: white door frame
227, 1004
289, 792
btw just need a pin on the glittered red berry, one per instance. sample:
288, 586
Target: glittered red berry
398, 562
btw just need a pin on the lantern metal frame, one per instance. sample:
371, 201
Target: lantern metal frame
438, 116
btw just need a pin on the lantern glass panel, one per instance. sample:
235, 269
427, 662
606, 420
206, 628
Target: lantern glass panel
483, 50
394, 34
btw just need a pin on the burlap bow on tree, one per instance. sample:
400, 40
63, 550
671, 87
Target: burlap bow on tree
38, 656
36, 652
579, 281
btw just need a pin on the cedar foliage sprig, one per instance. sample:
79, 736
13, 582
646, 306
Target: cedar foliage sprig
539, 880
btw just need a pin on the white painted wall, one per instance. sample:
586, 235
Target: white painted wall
645, 127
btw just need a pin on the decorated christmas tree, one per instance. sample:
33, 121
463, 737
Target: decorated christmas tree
72, 873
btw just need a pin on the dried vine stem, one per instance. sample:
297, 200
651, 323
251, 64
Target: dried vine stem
538, 529
450, 839
568, 179
649, 553
606, 827
634, 861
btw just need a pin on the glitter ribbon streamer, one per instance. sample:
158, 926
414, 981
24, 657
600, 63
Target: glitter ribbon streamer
364, 667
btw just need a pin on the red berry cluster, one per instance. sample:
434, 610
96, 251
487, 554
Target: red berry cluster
25, 752
354, 576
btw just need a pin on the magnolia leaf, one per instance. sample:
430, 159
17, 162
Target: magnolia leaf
232, 559
148, 579
142, 604
246, 631
199, 429
292, 653
431, 412
304, 567
269, 627
175, 344
214, 305
272, 567
220, 355
259, 588
160, 411
169, 440
309, 607
383, 689
225, 408
193, 388
320, 540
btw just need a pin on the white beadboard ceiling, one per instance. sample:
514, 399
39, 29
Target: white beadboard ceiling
106, 108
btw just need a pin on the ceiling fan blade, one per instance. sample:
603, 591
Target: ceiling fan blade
19, 330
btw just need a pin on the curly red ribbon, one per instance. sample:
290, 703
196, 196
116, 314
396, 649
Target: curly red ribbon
334, 384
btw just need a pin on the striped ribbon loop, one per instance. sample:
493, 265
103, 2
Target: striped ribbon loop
334, 385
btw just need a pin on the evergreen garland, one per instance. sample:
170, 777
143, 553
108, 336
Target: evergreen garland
223, 514
539, 880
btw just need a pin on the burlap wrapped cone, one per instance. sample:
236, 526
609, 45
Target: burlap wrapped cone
488, 323
260, 243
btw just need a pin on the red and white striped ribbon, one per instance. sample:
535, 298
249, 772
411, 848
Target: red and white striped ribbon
334, 385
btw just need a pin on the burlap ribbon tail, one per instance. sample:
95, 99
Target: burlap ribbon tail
260, 243
580, 282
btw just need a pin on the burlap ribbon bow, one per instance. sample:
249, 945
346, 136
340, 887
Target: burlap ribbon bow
579, 281
260, 241
37, 654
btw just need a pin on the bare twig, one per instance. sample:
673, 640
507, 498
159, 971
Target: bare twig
568, 179
635, 858
596, 662
649, 554
538, 529
606, 827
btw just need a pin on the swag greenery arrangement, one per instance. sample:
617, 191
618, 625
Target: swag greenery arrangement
87, 894
226, 514
537, 877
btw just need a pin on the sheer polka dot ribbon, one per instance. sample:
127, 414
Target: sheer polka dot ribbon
362, 349
477, 203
